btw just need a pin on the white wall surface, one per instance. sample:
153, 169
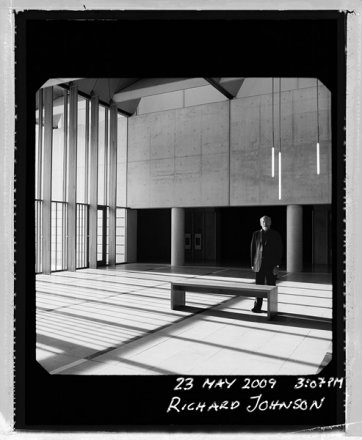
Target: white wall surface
206, 156
179, 157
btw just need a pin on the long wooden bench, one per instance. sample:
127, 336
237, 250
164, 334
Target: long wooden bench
198, 285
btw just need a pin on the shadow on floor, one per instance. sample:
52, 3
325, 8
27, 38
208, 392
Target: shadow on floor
289, 319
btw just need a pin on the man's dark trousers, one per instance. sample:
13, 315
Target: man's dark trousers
264, 276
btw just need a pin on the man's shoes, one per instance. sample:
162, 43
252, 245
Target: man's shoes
256, 310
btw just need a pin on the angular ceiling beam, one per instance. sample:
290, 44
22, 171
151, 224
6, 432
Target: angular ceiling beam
88, 96
57, 81
232, 85
219, 88
128, 108
156, 86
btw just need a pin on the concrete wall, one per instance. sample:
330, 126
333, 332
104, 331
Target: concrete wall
263, 86
251, 142
182, 157
179, 99
179, 157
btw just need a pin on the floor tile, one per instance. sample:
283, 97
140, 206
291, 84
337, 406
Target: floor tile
120, 319
52, 362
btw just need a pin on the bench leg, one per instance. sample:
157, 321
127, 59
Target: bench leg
177, 297
273, 304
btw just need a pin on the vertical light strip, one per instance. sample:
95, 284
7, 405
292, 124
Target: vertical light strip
318, 157
280, 139
280, 174
273, 171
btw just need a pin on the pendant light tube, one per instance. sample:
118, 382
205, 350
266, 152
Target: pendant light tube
317, 146
273, 147
280, 174
280, 139
318, 159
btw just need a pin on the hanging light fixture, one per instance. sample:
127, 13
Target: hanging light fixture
280, 139
273, 147
317, 146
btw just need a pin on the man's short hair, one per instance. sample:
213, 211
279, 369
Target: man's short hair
266, 217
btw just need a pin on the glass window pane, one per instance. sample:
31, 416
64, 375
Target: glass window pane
81, 150
107, 238
121, 159
58, 147
108, 153
38, 113
101, 153
58, 236
89, 148
120, 236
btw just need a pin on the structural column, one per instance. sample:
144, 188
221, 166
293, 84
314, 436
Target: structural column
112, 183
93, 190
294, 238
177, 236
47, 179
131, 235
72, 177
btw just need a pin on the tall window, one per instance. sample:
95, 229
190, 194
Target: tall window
55, 211
108, 156
59, 150
121, 189
102, 155
82, 150
121, 160
39, 136
59, 168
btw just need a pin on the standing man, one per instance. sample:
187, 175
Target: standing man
266, 254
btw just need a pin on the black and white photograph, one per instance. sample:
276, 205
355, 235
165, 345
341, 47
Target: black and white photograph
180, 210
183, 226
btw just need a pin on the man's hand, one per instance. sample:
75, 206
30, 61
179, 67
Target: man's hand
252, 267
275, 270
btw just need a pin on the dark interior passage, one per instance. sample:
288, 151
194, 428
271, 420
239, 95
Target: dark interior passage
236, 229
221, 236
154, 235
308, 237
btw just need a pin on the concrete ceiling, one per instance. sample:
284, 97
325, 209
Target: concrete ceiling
155, 86
127, 92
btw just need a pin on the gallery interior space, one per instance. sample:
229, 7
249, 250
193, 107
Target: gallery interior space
145, 182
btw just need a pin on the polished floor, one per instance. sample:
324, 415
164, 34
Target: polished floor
118, 321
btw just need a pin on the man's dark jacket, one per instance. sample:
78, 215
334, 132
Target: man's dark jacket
270, 254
